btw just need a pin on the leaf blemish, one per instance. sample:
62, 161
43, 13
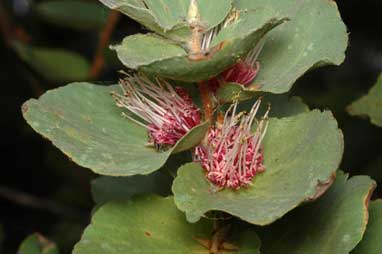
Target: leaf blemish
24, 108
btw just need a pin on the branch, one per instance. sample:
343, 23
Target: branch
104, 39
205, 94
27, 200
9, 30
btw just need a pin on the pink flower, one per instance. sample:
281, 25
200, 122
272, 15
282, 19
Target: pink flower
232, 154
168, 113
243, 72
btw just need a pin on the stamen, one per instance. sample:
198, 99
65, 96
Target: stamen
254, 53
207, 39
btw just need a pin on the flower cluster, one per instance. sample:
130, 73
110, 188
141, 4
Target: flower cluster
232, 154
168, 113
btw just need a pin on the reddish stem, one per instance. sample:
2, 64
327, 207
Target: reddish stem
104, 38
205, 94
11, 31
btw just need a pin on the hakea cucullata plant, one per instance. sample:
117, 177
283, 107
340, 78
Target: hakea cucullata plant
252, 163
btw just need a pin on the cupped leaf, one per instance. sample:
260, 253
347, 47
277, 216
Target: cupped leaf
54, 64
162, 57
281, 105
228, 92
83, 121
371, 242
75, 14
169, 17
107, 188
150, 224
144, 49
171, 13
315, 36
37, 244
135, 9
334, 224
370, 105
301, 156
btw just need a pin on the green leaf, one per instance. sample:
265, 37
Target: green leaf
144, 49
37, 244
137, 10
334, 224
150, 224
157, 56
169, 17
301, 156
107, 188
282, 105
54, 64
171, 13
370, 105
74, 14
168, 13
229, 92
315, 36
371, 242
83, 121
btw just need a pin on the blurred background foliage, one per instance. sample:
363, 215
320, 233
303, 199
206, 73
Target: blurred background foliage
45, 44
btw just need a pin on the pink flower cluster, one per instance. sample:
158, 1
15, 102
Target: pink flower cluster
168, 113
232, 153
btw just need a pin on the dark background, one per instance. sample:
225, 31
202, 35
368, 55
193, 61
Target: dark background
42, 191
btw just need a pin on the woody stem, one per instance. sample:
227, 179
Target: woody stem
205, 94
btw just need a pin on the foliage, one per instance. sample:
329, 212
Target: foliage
136, 229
